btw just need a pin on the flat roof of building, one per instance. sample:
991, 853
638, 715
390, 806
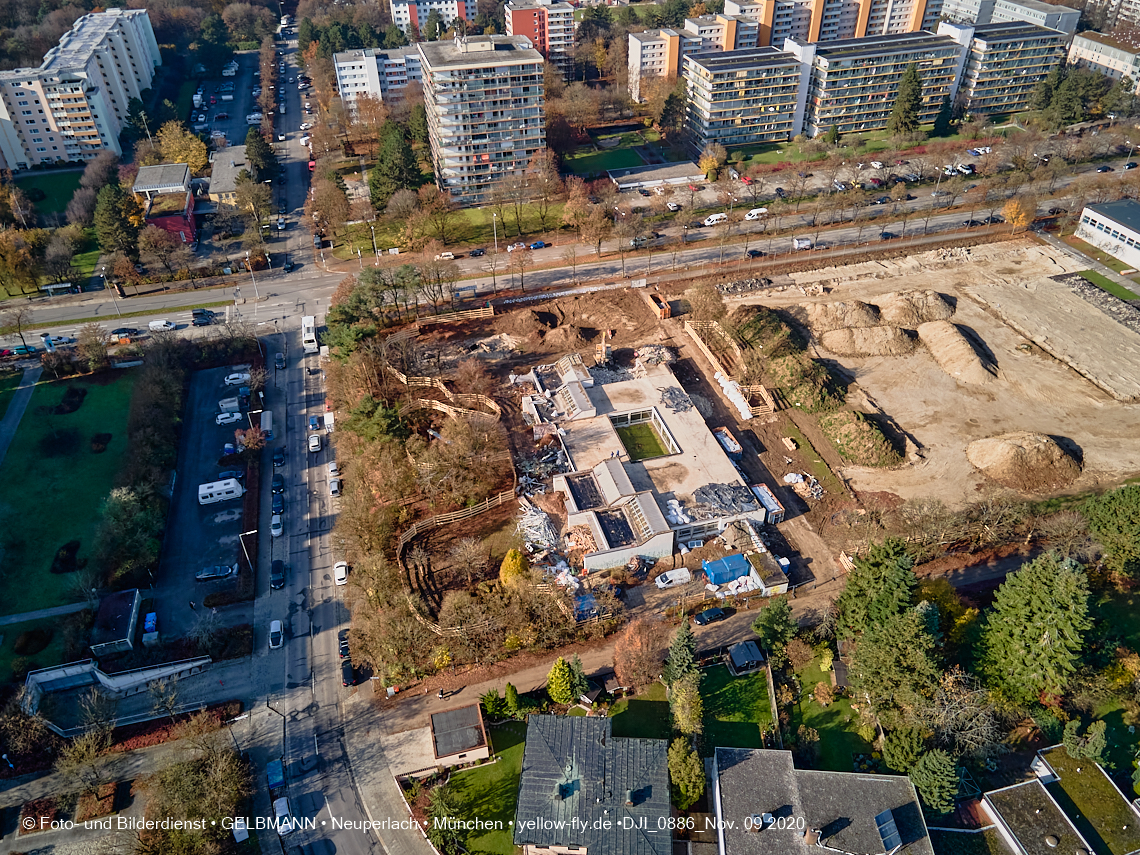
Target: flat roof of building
851, 810
368, 53
75, 46
478, 51
1033, 817
701, 460
1038, 6
654, 35
669, 173
1107, 41
227, 164
1014, 30
457, 730
879, 45
1124, 212
113, 620
736, 60
164, 178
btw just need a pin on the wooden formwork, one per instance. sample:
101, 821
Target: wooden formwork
760, 400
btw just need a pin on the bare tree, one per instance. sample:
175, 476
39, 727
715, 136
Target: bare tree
521, 261
15, 320
570, 256
205, 630
165, 697
962, 716
471, 555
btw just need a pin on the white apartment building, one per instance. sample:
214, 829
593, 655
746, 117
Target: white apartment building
1035, 12
1003, 63
486, 111
661, 53
831, 20
968, 11
1105, 54
550, 26
73, 105
384, 74
404, 12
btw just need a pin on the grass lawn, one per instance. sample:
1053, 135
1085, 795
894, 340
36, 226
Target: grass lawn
59, 187
57, 448
986, 842
644, 716
836, 724
1111, 262
1106, 284
641, 441
8, 384
597, 162
186, 100
737, 710
50, 655
87, 256
1104, 819
491, 792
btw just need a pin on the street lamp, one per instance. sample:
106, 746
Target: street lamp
495, 226
250, 416
284, 743
114, 296
6, 760
249, 264
241, 540
374, 249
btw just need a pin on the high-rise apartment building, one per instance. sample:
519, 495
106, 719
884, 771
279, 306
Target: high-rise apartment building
407, 12
549, 25
74, 104
486, 111
1035, 12
831, 20
1111, 57
384, 74
742, 97
660, 53
1003, 63
854, 83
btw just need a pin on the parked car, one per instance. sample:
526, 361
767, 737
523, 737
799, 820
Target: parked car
539, 244
124, 332
673, 206
314, 442
334, 470
347, 673
306, 126
237, 474
342, 643
60, 340
754, 253
276, 526
279, 457
227, 418
278, 483
277, 504
280, 224
709, 616
518, 245
340, 573
202, 320
445, 256
217, 571
478, 253
996, 218
314, 423
277, 574
1130, 165
238, 379
781, 192
642, 191
334, 488
887, 236
279, 361
276, 635
1104, 168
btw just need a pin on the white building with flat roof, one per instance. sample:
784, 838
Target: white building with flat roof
382, 73
1106, 55
405, 12
1035, 12
74, 104
1113, 227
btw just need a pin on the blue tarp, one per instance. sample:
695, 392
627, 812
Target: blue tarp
585, 606
727, 569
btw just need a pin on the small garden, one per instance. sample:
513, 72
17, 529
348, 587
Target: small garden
490, 792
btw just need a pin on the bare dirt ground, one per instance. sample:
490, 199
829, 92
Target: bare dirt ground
1031, 390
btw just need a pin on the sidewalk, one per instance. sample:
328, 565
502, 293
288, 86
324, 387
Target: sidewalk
55, 611
1093, 264
16, 408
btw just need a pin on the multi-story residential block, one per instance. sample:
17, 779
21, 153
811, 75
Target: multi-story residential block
1003, 63
407, 12
1112, 13
73, 105
383, 74
854, 83
486, 111
1111, 57
1035, 12
742, 97
660, 53
830, 20
968, 11
549, 25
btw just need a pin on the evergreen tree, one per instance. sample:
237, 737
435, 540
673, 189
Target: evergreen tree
511, 696
393, 37
113, 226
672, 113
417, 124
831, 136
881, 585
686, 774
1121, 98
686, 704
514, 569
559, 682
892, 666
1114, 519
942, 121
902, 748
1034, 632
396, 167
1091, 746
928, 613
936, 778
306, 34
908, 103
682, 656
579, 685
259, 155
775, 627
212, 47
433, 26
1042, 95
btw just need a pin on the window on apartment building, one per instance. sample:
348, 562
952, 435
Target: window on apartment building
40, 148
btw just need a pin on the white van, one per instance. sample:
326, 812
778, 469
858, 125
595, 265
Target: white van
267, 424
756, 213
160, 326
220, 491
674, 578
282, 817
716, 219
801, 243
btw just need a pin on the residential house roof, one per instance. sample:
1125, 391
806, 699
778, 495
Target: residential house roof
164, 178
228, 163
113, 620
458, 730
1030, 814
577, 778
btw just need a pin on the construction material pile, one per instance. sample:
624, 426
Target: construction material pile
954, 354
735, 395
535, 470
1024, 461
911, 308
717, 500
848, 314
536, 529
743, 286
655, 354
580, 537
676, 399
868, 341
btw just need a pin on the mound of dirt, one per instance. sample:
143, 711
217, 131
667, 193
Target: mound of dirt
525, 323
1024, 461
849, 314
911, 308
870, 341
954, 353
567, 337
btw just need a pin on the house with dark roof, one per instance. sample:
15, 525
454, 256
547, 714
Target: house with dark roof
115, 622
458, 736
167, 200
586, 791
1031, 822
765, 806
